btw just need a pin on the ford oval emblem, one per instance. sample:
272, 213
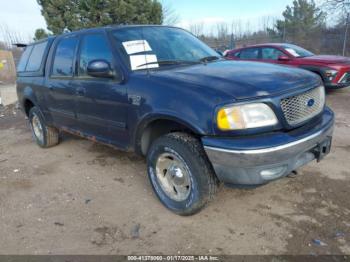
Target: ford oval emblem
311, 102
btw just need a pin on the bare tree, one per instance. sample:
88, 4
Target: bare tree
248, 28
170, 16
2, 45
266, 22
10, 37
197, 29
222, 30
342, 6
237, 28
346, 33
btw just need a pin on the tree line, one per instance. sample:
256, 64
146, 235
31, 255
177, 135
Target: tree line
321, 27
304, 22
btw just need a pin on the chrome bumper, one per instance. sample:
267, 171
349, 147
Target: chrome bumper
259, 166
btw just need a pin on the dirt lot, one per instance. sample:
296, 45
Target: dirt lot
84, 198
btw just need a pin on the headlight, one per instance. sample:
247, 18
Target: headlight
331, 74
246, 116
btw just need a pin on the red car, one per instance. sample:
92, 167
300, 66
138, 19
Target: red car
334, 70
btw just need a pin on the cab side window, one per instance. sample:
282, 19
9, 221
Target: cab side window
94, 46
64, 57
250, 53
270, 53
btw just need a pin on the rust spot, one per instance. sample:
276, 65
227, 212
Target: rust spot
91, 138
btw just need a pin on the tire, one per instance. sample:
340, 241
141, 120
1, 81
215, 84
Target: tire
180, 159
45, 136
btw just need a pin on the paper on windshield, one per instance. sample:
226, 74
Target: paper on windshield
292, 52
138, 62
136, 46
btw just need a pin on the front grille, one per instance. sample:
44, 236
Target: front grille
299, 108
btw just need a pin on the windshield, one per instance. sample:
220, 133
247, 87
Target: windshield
153, 47
297, 51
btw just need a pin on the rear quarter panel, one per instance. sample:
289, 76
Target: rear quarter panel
30, 85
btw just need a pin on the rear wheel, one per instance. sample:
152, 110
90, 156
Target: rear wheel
45, 136
180, 173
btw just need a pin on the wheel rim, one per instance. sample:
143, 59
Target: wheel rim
37, 128
173, 176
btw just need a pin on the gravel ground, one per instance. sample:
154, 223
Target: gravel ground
83, 198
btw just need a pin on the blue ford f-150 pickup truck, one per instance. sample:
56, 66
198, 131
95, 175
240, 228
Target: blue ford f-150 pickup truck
161, 92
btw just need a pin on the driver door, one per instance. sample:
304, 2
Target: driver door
101, 103
271, 55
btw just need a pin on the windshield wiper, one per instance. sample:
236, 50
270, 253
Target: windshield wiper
209, 58
170, 62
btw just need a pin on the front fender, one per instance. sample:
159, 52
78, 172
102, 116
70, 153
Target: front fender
171, 116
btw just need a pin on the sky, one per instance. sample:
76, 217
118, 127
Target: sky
24, 17
226, 10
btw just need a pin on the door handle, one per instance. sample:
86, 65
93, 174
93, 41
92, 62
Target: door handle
80, 91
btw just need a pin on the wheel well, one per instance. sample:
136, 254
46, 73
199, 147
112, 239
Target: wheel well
156, 129
27, 106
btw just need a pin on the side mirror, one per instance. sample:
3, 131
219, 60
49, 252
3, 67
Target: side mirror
283, 58
100, 68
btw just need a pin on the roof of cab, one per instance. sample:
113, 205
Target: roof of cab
96, 29
267, 44
112, 27
49, 38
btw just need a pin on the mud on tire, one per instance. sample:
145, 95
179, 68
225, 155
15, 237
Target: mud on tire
44, 135
179, 155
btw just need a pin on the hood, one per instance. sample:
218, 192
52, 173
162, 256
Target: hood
241, 79
328, 59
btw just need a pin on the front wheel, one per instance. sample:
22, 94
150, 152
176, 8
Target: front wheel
45, 136
180, 173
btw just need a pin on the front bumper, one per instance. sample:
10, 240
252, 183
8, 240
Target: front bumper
260, 159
